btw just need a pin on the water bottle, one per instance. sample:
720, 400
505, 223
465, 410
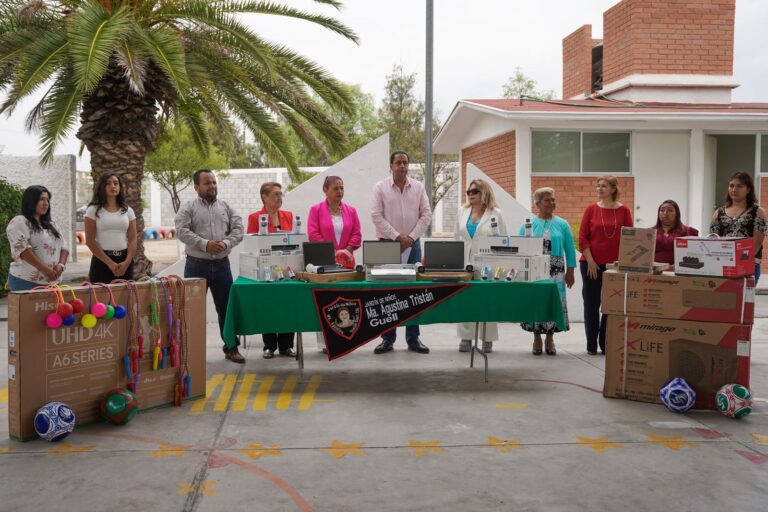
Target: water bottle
547, 242
494, 227
297, 225
263, 224
528, 227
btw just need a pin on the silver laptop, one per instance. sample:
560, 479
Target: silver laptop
381, 252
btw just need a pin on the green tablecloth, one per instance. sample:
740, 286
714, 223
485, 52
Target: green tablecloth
288, 306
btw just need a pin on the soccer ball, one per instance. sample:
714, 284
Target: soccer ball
54, 421
119, 406
734, 400
677, 395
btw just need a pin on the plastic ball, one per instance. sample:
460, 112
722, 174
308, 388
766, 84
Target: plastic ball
54, 421
120, 311
119, 406
734, 400
69, 320
110, 312
677, 395
88, 321
99, 309
78, 306
64, 309
53, 320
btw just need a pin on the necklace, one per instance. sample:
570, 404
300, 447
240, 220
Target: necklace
615, 224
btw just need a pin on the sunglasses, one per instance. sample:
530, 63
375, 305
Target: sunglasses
472, 191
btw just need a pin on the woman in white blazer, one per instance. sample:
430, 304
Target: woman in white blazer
475, 218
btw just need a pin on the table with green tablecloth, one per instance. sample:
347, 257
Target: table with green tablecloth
288, 306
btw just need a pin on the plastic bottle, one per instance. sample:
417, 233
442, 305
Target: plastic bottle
263, 224
297, 225
484, 273
494, 227
528, 227
547, 241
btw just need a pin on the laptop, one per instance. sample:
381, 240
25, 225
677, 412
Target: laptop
444, 256
322, 254
381, 252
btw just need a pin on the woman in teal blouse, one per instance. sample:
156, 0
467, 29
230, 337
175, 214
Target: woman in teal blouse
562, 261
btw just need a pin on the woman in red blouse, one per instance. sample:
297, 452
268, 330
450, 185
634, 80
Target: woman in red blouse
669, 227
599, 237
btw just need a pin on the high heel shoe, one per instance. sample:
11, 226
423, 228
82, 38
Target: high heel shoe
550, 349
536, 350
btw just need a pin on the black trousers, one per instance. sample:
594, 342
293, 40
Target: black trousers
100, 273
594, 322
281, 341
218, 277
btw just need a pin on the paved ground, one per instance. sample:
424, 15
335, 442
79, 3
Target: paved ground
403, 431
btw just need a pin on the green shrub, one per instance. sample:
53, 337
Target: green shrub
10, 206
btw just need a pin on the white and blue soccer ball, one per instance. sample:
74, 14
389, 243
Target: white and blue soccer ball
54, 421
677, 395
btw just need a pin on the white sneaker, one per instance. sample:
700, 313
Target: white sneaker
487, 347
465, 345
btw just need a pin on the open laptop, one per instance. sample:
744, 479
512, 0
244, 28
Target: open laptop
381, 252
322, 254
444, 256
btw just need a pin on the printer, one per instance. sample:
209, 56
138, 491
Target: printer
272, 257
510, 258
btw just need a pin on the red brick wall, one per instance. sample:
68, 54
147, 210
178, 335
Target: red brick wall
495, 157
668, 37
577, 62
575, 193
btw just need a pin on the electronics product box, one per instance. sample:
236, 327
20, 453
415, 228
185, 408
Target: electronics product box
706, 299
637, 249
526, 268
717, 257
526, 245
272, 243
644, 353
252, 266
79, 366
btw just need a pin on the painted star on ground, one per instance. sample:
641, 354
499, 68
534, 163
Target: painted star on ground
69, 450
424, 447
206, 488
671, 442
337, 449
599, 444
503, 445
167, 450
257, 450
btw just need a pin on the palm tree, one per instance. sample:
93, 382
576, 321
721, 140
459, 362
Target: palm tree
128, 66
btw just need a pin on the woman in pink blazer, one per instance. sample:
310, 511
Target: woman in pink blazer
337, 222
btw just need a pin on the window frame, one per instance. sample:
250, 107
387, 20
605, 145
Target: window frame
581, 171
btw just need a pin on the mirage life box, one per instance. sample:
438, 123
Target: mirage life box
716, 257
643, 353
637, 249
706, 299
78, 366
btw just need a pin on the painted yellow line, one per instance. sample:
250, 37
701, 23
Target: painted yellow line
3, 395
225, 395
210, 386
262, 396
284, 398
241, 399
308, 397
513, 405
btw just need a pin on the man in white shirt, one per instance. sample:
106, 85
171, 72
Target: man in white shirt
400, 211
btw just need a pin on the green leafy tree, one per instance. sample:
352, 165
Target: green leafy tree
125, 65
520, 85
10, 206
177, 157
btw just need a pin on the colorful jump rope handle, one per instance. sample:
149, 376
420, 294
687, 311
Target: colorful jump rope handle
178, 329
134, 361
187, 385
154, 314
163, 358
127, 363
174, 355
135, 383
141, 347
155, 358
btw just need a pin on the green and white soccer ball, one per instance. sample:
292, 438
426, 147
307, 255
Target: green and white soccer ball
734, 400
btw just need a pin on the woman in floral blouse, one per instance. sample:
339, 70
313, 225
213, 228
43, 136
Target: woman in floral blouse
38, 249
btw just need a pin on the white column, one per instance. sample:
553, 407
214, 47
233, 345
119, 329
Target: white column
523, 166
696, 178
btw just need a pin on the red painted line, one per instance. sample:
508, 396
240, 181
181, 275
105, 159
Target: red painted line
562, 382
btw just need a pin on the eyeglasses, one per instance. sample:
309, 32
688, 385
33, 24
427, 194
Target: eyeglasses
277, 195
472, 191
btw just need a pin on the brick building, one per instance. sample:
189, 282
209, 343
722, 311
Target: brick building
650, 102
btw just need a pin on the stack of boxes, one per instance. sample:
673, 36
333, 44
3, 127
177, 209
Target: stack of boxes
516, 258
661, 326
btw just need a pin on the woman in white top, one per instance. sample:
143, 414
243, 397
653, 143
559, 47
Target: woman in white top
38, 249
476, 218
110, 231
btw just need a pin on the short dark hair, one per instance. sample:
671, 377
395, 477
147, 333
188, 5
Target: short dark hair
398, 152
267, 187
196, 176
746, 179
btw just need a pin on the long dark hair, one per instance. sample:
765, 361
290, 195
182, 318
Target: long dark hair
678, 223
99, 199
746, 179
29, 206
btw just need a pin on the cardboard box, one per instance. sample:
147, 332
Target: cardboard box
706, 299
78, 366
716, 257
252, 265
273, 243
526, 268
643, 353
637, 249
526, 245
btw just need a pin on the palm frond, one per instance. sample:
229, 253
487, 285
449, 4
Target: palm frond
135, 64
59, 114
165, 49
94, 33
191, 115
40, 61
35, 116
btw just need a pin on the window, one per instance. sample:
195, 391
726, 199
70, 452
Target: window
581, 152
764, 152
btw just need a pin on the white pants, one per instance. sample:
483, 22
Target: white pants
466, 331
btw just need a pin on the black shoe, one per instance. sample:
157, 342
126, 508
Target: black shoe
269, 354
592, 352
383, 347
418, 346
288, 352
602, 351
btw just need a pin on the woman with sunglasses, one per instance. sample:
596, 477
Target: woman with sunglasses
476, 218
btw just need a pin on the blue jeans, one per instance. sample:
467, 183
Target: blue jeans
16, 284
412, 332
218, 276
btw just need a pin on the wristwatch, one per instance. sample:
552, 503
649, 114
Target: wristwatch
63, 266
